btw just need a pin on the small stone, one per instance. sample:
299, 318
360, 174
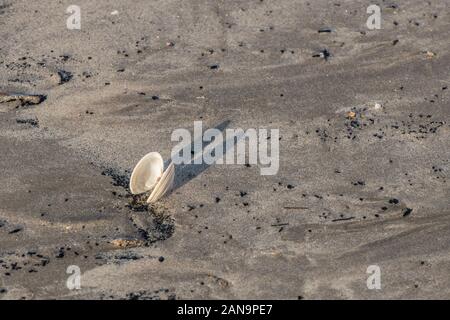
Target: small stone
64, 76
325, 30
407, 212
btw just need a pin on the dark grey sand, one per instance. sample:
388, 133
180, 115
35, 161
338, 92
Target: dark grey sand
308, 232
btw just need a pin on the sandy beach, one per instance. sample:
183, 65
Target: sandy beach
364, 149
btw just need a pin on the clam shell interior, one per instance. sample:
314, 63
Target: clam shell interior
147, 173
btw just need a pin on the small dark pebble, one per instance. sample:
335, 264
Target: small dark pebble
15, 231
394, 201
407, 212
65, 57
325, 30
60, 253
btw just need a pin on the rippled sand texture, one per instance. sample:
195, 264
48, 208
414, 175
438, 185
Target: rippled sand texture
117, 88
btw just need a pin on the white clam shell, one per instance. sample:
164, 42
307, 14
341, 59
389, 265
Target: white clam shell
163, 185
148, 174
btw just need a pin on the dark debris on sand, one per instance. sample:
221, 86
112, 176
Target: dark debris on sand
64, 76
31, 122
325, 54
119, 179
22, 99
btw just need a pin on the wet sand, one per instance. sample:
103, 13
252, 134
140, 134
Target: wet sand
370, 189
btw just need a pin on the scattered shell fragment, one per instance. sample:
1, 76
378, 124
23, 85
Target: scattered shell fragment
149, 174
430, 54
126, 243
351, 115
377, 106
